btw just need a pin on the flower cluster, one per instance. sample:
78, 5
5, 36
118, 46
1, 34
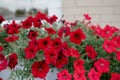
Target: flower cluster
79, 50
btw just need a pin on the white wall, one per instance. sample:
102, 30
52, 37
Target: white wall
54, 7
102, 11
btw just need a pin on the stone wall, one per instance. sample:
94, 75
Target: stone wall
102, 11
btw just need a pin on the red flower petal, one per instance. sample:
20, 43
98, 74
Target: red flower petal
64, 75
13, 60
91, 52
94, 75
3, 62
77, 36
40, 69
115, 76
102, 65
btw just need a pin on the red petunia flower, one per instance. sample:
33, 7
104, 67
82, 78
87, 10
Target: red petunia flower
116, 41
57, 43
50, 30
32, 34
115, 76
64, 46
102, 65
1, 48
30, 52
65, 49
52, 19
50, 56
13, 60
79, 64
41, 16
87, 17
94, 75
1, 19
79, 75
74, 53
108, 31
64, 31
67, 53
34, 43
37, 22
3, 62
91, 52
12, 38
77, 36
108, 46
12, 28
40, 69
44, 43
64, 75
97, 29
61, 61
27, 23
118, 55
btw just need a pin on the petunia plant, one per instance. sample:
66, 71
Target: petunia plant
78, 50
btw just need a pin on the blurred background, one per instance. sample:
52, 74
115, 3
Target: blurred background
102, 11
20, 9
